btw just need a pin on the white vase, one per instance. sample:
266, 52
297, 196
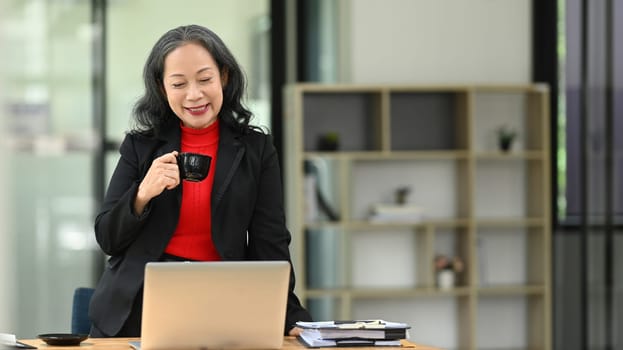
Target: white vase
445, 279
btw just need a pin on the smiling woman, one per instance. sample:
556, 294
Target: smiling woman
192, 102
193, 85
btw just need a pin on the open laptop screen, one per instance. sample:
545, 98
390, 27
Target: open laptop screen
234, 304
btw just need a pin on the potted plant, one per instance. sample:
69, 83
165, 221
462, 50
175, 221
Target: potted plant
401, 194
329, 141
446, 269
506, 136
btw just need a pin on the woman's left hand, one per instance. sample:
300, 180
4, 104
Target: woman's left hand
296, 331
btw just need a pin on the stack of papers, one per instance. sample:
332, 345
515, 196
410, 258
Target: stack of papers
352, 333
8, 340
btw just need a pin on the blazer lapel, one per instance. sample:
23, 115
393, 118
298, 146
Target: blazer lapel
230, 152
171, 137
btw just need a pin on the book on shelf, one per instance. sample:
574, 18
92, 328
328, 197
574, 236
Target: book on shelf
398, 213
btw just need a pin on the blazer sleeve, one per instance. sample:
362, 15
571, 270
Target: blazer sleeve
116, 225
269, 237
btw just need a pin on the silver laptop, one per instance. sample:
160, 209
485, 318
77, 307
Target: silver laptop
220, 305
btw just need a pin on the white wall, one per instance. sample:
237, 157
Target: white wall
437, 41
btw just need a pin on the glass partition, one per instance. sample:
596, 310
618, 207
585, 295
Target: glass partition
46, 111
50, 136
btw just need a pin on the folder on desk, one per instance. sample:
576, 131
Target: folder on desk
365, 329
312, 339
352, 333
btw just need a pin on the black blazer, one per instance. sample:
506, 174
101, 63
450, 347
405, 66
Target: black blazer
248, 221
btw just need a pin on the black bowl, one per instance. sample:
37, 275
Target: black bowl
64, 339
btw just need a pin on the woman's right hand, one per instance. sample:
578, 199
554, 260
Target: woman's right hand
162, 174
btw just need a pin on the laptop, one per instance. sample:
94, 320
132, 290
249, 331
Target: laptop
206, 305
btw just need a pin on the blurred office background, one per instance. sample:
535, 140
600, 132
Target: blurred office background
71, 70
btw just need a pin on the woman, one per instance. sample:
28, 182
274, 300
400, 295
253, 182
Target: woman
192, 103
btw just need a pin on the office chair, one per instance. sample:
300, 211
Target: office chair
80, 323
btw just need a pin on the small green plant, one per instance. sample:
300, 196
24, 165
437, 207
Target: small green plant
329, 141
401, 194
506, 136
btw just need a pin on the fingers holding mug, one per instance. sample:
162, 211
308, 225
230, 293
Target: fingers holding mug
171, 170
162, 174
170, 158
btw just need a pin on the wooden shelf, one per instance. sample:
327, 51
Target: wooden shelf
511, 290
367, 225
389, 155
502, 156
385, 293
511, 222
487, 207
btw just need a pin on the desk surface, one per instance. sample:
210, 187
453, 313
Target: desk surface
289, 343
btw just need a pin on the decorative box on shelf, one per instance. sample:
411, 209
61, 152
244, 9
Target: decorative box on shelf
396, 213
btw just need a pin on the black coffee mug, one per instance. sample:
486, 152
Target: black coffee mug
193, 166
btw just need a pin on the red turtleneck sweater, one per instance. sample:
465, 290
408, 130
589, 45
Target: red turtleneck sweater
192, 238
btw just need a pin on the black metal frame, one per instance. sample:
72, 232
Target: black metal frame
609, 196
98, 90
545, 69
278, 71
582, 253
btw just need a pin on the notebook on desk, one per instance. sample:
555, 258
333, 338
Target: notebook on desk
234, 305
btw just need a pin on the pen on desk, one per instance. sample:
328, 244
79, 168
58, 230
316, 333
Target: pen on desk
359, 321
361, 324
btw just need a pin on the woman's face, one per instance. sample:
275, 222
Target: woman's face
192, 83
